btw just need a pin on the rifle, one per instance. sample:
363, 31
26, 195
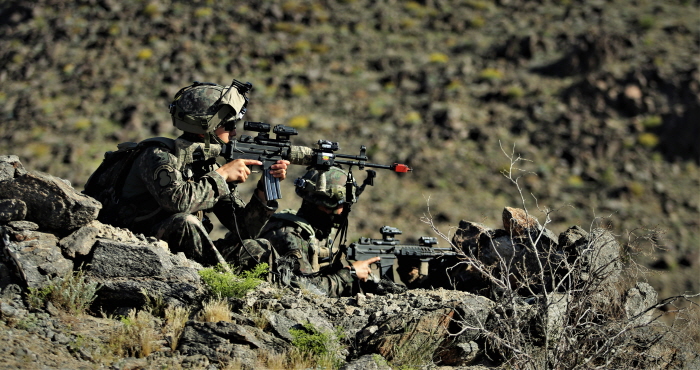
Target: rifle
269, 150
390, 248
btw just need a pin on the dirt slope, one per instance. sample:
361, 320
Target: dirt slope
600, 97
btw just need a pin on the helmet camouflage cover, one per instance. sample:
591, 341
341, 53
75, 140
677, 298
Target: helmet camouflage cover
202, 107
326, 188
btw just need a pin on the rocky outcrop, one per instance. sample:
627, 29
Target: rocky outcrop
449, 325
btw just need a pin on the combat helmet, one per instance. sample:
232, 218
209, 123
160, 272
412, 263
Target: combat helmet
326, 188
203, 106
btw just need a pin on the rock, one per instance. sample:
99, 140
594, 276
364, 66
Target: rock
408, 331
518, 224
51, 203
115, 259
460, 354
556, 309
6, 275
637, 300
596, 254
224, 341
280, 324
178, 287
470, 236
368, 362
23, 225
10, 167
81, 241
472, 311
36, 257
12, 210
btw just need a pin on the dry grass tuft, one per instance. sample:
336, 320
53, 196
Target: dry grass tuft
136, 336
175, 319
215, 310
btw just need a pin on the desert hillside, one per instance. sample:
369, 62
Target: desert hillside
600, 98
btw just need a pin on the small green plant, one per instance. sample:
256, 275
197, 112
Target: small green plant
417, 351
226, 284
652, 121
145, 54
646, 22
514, 92
135, 336
317, 347
261, 322
648, 140
491, 74
203, 12
71, 293
37, 297
155, 304
439, 58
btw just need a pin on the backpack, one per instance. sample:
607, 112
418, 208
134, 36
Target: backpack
107, 182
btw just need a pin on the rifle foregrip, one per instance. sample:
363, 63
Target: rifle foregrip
301, 155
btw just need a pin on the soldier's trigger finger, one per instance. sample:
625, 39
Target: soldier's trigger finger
252, 162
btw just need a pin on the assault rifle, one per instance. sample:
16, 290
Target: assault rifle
269, 150
390, 248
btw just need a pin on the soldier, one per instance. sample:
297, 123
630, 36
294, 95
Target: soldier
171, 187
305, 235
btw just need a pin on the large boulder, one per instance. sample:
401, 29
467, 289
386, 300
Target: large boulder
225, 341
34, 256
133, 273
51, 202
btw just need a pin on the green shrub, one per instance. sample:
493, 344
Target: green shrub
226, 284
646, 22
652, 121
316, 346
514, 92
439, 58
491, 74
71, 293
648, 140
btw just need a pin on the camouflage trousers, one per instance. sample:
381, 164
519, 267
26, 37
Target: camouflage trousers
248, 253
186, 233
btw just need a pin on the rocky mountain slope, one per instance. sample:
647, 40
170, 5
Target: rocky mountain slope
75, 293
600, 97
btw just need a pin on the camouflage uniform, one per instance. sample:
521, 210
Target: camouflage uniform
167, 195
316, 265
169, 188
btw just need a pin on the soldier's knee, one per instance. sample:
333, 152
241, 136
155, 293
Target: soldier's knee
184, 220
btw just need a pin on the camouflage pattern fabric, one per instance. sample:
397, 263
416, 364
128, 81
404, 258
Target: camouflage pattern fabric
290, 239
166, 195
200, 100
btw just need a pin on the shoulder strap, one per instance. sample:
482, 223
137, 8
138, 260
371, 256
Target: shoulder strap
164, 142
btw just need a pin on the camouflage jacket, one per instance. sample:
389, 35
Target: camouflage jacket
162, 182
292, 235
